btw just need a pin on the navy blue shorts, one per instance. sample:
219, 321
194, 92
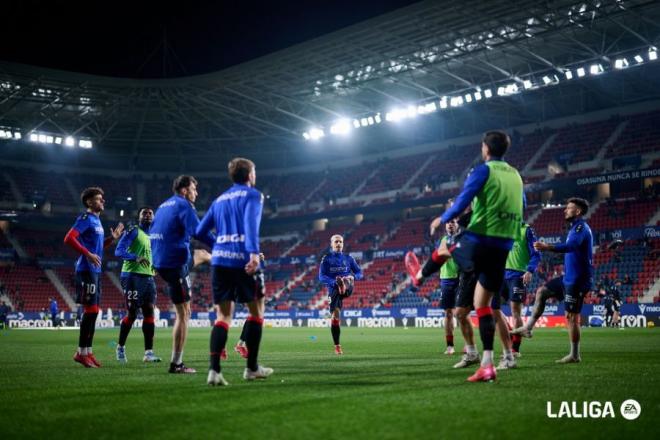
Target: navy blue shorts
234, 284
513, 290
139, 290
487, 262
337, 300
467, 281
448, 289
178, 283
572, 294
88, 288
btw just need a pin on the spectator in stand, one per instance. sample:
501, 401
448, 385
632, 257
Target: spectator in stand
4, 312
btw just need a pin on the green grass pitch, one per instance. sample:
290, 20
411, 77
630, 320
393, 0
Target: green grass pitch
390, 384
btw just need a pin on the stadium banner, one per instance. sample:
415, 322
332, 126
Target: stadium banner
620, 176
632, 315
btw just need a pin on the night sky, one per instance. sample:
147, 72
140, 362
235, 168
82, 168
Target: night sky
125, 39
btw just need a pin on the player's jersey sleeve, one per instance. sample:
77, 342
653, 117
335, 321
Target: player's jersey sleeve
125, 243
573, 241
473, 184
207, 224
82, 223
252, 221
534, 255
355, 268
190, 221
324, 270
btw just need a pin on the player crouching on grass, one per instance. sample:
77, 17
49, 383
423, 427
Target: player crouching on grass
138, 285
338, 271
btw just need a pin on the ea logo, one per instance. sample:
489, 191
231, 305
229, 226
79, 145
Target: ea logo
630, 409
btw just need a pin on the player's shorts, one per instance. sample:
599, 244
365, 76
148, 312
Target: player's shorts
487, 262
448, 288
572, 294
139, 290
88, 288
513, 290
337, 300
178, 283
234, 284
467, 281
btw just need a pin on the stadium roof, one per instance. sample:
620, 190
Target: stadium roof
410, 56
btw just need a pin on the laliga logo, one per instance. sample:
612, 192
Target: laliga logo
629, 409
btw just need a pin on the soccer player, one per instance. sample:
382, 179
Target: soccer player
577, 280
236, 216
338, 271
495, 190
174, 225
87, 238
137, 283
448, 285
522, 262
54, 311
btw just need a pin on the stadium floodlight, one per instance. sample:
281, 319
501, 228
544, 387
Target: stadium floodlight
377, 118
568, 74
488, 93
364, 122
653, 55
546, 80
316, 133
34, 137
501, 91
58, 140
477, 96
42, 138
621, 63
306, 135
83, 143
411, 111
639, 59
49, 139
370, 120
356, 123
339, 77
595, 69
581, 72
129, 198
2, 134
512, 88
121, 213
527, 84
443, 102
341, 126
69, 141
468, 98
456, 101
17, 135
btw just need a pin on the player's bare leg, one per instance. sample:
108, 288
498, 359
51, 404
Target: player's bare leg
471, 356
507, 360
179, 335
542, 295
482, 301
573, 325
